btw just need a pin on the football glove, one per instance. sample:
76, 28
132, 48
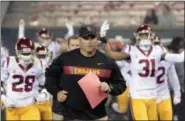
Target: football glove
42, 96
7, 102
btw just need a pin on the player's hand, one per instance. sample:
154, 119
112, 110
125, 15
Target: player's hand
69, 25
105, 87
22, 22
7, 102
104, 28
176, 100
62, 96
42, 96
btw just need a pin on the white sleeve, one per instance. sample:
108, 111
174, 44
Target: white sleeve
174, 81
6, 52
41, 79
58, 48
21, 30
127, 49
70, 31
175, 57
127, 76
120, 64
4, 71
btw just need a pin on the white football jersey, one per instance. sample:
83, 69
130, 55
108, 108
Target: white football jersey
21, 85
143, 68
125, 70
44, 62
166, 75
54, 49
4, 52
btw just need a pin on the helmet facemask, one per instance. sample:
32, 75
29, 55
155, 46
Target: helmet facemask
25, 57
44, 56
144, 40
44, 41
44, 37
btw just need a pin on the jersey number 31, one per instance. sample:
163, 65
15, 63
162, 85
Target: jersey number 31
149, 65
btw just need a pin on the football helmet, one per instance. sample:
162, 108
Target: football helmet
44, 37
25, 51
144, 36
43, 54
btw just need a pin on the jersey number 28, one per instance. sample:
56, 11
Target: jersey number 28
28, 82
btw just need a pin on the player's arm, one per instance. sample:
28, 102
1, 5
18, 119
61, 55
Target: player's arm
115, 55
70, 29
7, 102
4, 71
174, 57
21, 29
42, 94
174, 83
116, 82
126, 74
52, 75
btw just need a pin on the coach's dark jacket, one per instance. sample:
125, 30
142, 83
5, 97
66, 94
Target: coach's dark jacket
68, 68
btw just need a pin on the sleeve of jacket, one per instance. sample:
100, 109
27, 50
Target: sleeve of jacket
117, 82
53, 73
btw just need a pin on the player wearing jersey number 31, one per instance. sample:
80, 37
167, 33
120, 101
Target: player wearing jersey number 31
145, 57
20, 75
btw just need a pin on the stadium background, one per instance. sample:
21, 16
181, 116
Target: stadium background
124, 18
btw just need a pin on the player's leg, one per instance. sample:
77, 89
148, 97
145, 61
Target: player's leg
138, 109
30, 113
164, 109
45, 110
12, 114
123, 101
152, 109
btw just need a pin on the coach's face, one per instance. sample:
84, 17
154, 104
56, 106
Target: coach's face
88, 43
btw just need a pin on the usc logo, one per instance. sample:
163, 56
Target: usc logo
84, 71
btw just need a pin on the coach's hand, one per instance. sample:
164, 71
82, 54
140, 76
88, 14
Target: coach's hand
105, 87
62, 96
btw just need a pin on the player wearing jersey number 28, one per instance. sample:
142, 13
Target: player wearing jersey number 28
20, 75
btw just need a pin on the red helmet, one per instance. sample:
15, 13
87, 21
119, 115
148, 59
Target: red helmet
25, 49
41, 52
144, 37
44, 37
144, 31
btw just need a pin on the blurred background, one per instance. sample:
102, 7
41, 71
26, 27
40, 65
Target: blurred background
166, 19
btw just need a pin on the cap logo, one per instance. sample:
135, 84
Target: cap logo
89, 28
